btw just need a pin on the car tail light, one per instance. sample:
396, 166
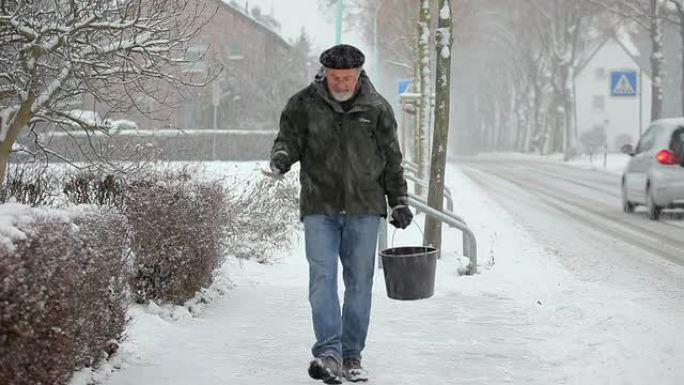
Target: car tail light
667, 157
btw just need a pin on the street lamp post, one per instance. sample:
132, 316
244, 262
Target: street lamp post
215, 99
376, 67
340, 11
217, 96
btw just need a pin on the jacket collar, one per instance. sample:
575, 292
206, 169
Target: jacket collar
366, 98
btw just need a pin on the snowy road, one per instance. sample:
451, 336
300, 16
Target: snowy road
579, 212
591, 199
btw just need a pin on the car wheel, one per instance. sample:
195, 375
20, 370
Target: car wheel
627, 206
653, 209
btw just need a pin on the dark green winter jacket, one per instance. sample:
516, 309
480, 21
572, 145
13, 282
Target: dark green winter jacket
350, 161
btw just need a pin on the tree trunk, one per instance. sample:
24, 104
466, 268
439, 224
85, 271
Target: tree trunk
558, 129
521, 114
425, 92
657, 61
567, 73
8, 141
539, 130
504, 128
496, 127
529, 117
681, 32
433, 228
10, 129
416, 118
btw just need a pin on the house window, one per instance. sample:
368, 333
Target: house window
599, 103
235, 51
196, 52
600, 73
195, 58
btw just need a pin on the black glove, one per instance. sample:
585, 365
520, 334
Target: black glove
401, 217
280, 163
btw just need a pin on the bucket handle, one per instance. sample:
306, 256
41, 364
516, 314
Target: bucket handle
394, 233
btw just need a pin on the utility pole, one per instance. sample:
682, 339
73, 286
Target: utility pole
641, 101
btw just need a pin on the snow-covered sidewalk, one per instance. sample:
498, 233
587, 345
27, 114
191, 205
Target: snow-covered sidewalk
522, 320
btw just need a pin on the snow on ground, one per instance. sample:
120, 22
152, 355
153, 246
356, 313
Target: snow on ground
522, 320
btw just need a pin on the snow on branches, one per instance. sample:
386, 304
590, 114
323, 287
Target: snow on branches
121, 54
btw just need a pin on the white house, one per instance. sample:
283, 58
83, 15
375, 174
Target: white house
613, 93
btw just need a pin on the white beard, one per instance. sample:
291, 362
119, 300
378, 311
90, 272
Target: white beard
342, 96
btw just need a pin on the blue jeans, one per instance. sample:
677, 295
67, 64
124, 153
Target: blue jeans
353, 239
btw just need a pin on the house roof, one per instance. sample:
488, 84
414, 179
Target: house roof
598, 48
233, 7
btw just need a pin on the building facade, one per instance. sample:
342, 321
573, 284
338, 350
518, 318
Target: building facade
260, 70
253, 70
613, 94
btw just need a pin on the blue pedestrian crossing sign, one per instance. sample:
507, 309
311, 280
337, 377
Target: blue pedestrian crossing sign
623, 83
403, 85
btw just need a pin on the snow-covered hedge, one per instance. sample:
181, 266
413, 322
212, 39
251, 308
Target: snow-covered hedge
67, 275
31, 184
62, 290
98, 188
179, 226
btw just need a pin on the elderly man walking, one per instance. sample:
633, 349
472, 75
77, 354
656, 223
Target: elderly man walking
343, 133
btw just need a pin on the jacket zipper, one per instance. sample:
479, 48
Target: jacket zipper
345, 156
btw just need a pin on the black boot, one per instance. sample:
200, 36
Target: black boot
327, 369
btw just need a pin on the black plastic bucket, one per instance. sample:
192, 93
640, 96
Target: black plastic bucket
409, 272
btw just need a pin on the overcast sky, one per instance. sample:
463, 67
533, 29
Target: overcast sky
295, 14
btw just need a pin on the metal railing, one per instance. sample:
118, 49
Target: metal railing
448, 218
445, 216
447, 191
412, 175
410, 166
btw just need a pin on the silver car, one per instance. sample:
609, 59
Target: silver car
654, 176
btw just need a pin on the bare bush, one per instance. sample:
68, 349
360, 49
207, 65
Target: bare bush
60, 292
95, 187
178, 227
593, 140
29, 183
266, 214
623, 139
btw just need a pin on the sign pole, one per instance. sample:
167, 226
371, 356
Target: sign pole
641, 101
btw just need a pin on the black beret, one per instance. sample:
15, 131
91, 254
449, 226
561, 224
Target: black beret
342, 56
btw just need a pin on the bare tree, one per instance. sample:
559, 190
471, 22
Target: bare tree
657, 58
569, 35
119, 54
678, 6
514, 90
649, 15
424, 77
433, 228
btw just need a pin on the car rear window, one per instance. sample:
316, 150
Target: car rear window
677, 143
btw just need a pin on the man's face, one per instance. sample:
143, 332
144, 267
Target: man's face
342, 82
